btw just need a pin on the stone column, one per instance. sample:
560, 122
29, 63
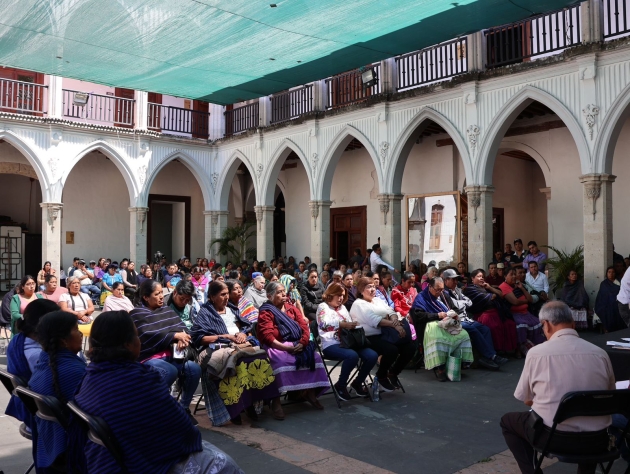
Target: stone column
141, 110
592, 21
264, 111
138, 235
479, 226
51, 233
389, 76
598, 229
210, 222
320, 231
55, 97
264, 232
477, 51
320, 95
390, 227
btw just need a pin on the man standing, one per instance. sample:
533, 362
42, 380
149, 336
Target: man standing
534, 255
376, 260
549, 373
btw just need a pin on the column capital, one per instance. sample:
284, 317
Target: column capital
479, 188
597, 177
220, 213
208, 213
53, 210
265, 208
48, 205
138, 209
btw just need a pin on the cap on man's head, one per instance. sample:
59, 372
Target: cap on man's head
184, 257
450, 273
92, 261
500, 265
256, 275
82, 262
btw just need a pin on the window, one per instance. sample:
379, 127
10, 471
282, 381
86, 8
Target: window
437, 213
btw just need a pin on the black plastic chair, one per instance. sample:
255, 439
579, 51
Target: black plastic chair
45, 407
586, 403
11, 382
99, 432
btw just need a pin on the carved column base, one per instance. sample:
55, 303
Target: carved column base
51, 233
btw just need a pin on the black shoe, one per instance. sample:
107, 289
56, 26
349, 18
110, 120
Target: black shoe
192, 418
440, 374
500, 360
251, 413
342, 392
237, 420
488, 364
386, 385
394, 380
359, 389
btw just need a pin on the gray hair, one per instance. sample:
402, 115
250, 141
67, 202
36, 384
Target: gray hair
406, 276
432, 269
272, 288
70, 280
436, 280
338, 273
556, 312
324, 272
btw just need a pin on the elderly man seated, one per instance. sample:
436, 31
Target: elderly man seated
538, 286
85, 276
480, 335
549, 373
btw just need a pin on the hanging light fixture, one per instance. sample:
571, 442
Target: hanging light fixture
368, 77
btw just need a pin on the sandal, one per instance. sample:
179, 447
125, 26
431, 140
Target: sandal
440, 374
276, 409
312, 399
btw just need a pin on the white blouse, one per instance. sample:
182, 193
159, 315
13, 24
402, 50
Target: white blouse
328, 320
369, 315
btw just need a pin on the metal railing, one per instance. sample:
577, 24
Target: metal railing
538, 36
241, 118
178, 119
347, 88
291, 104
21, 97
99, 108
616, 18
436, 63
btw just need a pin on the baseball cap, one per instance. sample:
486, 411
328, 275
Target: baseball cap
500, 265
450, 273
256, 275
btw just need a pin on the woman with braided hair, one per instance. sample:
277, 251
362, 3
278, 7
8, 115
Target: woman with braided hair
57, 373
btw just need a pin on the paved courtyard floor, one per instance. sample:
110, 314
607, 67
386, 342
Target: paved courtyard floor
433, 428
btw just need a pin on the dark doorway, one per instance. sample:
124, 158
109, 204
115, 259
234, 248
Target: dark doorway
348, 231
168, 224
279, 228
498, 220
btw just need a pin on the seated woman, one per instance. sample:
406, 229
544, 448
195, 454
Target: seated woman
256, 290
109, 277
311, 293
201, 284
117, 301
75, 302
23, 352
606, 307
332, 315
217, 325
293, 294
431, 273
43, 273
161, 331
24, 294
528, 327
351, 290
372, 314
575, 296
488, 309
58, 373
438, 342
153, 431
284, 333
52, 291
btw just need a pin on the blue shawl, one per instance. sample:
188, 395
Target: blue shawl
428, 303
152, 429
18, 365
606, 306
51, 437
156, 329
208, 322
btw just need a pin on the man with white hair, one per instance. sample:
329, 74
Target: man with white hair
256, 291
565, 363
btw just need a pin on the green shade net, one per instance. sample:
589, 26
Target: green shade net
221, 51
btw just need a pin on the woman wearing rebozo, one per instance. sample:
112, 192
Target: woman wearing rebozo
284, 333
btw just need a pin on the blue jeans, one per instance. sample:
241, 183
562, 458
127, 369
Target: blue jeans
350, 360
189, 372
480, 338
92, 290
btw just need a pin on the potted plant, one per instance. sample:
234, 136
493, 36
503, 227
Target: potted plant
562, 264
233, 242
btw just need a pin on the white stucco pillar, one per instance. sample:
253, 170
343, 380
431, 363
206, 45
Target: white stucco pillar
141, 110
389, 76
477, 51
264, 232
592, 21
598, 229
479, 226
54, 103
51, 233
390, 227
264, 111
320, 95
209, 225
138, 235
320, 231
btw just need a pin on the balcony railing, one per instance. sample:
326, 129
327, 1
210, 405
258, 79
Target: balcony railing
21, 97
538, 36
241, 118
616, 18
291, 104
99, 108
347, 88
436, 63
177, 119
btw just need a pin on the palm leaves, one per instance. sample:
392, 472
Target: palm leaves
233, 243
563, 263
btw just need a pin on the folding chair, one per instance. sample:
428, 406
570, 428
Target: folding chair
99, 432
586, 403
5, 338
11, 382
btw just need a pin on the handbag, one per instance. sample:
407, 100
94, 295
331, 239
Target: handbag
354, 339
454, 367
391, 335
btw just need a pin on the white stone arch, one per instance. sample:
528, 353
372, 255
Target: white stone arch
34, 160
406, 139
193, 166
493, 135
268, 184
610, 129
116, 158
224, 183
508, 145
333, 155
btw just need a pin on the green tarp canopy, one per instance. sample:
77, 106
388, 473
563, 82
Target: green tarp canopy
227, 51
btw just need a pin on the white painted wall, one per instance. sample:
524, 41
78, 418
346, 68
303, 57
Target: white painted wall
19, 200
621, 192
297, 212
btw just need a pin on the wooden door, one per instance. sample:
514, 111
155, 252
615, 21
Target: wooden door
200, 119
21, 98
348, 230
124, 109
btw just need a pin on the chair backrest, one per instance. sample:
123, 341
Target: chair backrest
593, 403
10, 381
45, 407
100, 433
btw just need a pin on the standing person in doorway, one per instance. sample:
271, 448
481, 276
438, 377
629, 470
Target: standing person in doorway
376, 260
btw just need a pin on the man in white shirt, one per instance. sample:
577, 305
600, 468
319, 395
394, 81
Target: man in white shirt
551, 371
538, 281
623, 298
376, 260
87, 286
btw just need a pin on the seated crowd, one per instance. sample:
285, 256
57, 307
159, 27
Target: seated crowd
250, 333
